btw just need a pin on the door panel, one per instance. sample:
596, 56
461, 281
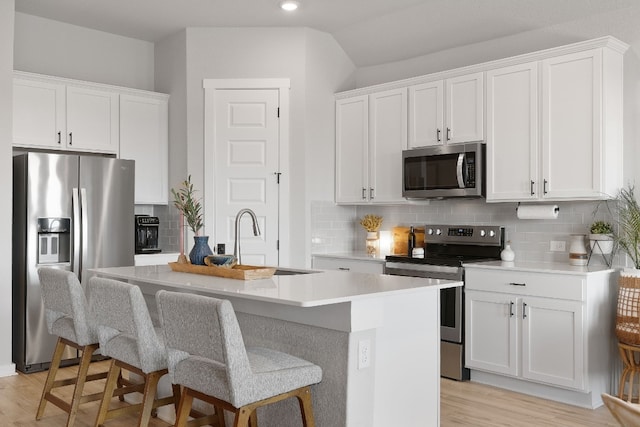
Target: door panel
246, 162
426, 118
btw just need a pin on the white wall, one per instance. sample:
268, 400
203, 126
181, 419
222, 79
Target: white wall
6, 113
328, 70
218, 53
171, 78
54, 48
248, 53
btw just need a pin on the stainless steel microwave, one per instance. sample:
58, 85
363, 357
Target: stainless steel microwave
444, 171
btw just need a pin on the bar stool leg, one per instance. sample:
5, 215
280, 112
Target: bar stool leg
83, 369
51, 376
112, 380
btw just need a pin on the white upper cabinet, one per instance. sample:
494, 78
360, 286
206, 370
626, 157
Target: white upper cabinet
553, 118
144, 138
426, 114
39, 118
352, 142
447, 111
92, 120
512, 133
51, 113
573, 151
371, 132
465, 108
387, 139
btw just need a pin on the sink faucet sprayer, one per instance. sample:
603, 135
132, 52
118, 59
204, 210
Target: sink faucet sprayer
256, 231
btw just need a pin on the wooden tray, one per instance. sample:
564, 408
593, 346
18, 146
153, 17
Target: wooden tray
240, 272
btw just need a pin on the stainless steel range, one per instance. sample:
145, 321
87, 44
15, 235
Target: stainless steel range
446, 249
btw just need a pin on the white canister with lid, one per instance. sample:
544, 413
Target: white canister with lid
507, 253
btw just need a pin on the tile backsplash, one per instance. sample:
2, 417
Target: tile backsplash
169, 231
337, 229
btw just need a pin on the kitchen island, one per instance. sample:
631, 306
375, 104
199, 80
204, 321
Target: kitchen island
376, 337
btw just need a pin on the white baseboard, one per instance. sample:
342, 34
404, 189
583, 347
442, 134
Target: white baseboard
8, 370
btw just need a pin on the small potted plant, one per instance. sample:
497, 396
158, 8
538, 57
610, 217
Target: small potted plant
601, 237
190, 207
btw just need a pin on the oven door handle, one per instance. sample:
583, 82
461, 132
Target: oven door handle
423, 270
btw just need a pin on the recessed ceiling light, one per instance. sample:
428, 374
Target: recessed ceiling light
289, 5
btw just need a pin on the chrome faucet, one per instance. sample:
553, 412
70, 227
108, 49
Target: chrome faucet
256, 231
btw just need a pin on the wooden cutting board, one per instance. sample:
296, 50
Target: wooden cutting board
400, 236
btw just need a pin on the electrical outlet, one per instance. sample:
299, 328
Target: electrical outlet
364, 354
558, 246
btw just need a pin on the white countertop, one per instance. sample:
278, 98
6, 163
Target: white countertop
303, 290
540, 267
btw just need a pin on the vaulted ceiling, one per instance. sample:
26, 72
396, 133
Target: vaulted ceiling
370, 31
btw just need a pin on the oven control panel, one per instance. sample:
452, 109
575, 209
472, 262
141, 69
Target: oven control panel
468, 234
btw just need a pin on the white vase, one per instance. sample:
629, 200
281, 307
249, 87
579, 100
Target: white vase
507, 253
373, 244
577, 250
601, 243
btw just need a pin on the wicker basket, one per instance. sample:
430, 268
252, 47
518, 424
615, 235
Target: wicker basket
627, 312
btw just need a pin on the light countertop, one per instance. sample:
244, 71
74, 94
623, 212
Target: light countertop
540, 267
302, 290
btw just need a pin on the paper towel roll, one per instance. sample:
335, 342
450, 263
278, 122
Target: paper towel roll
538, 211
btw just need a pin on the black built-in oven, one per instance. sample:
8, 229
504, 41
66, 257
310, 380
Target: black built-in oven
447, 247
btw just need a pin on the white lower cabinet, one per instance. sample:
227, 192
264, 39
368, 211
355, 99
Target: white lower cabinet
545, 328
552, 341
375, 266
534, 338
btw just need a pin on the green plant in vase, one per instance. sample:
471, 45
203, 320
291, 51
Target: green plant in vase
190, 207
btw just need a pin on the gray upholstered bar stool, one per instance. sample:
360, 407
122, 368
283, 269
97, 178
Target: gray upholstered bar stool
207, 356
67, 317
127, 335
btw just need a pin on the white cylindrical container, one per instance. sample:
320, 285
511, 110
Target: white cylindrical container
578, 250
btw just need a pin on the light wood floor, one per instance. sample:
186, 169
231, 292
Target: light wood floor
462, 404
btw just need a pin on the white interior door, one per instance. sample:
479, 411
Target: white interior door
246, 171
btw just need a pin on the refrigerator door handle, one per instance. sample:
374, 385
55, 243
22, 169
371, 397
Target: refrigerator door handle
85, 227
75, 262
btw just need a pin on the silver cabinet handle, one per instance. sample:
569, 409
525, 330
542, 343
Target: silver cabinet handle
448, 134
544, 187
532, 184
510, 308
364, 193
371, 193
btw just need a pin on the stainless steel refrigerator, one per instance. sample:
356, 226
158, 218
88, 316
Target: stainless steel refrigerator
71, 212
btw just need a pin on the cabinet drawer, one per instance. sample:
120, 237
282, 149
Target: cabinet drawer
358, 266
561, 286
